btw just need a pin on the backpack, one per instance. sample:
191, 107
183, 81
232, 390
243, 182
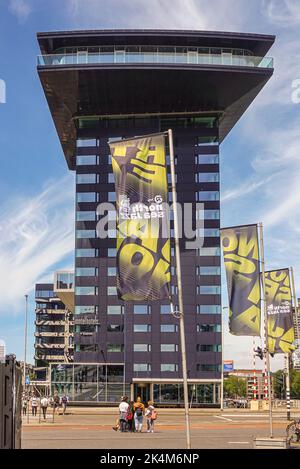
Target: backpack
129, 415
139, 412
153, 415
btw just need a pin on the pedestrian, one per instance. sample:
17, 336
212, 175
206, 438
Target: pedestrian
24, 404
123, 408
64, 401
116, 427
129, 417
34, 405
138, 414
44, 406
151, 415
56, 402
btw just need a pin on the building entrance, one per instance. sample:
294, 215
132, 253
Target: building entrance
142, 390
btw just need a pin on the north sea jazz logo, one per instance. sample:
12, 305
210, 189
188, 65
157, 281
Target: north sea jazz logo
2, 92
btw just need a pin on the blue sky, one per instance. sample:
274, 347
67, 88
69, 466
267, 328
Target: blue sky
260, 162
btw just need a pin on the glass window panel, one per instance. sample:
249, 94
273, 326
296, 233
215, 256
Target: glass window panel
111, 196
165, 309
85, 160
142, 328
168, 328
114, 348
169, 367
115, 374
115, 328
141, 347
209, 252
86, 142
207, 159
207, 177
84, 234
209, 309
209, 270
202, 196
86, 290
86, 178
111, 252
112, 291
86, 272
168, 347
142, 367
85, 216
111, 271
86, 197
115, 309
141, 309
85, 252
209, 290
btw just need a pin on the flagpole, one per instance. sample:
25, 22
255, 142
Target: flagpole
295, 306
180, 298
267, 355
287, 384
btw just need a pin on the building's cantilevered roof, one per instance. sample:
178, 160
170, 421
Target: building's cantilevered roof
106, 89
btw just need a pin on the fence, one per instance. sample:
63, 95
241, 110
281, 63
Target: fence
10, 403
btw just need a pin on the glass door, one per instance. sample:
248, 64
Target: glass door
142, 390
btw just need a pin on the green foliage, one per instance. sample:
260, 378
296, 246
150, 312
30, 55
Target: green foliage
279, 384
235, 387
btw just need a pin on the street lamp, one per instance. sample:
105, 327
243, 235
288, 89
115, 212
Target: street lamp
222, 371
25, 339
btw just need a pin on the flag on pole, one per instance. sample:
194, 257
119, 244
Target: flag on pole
143, 243
241, 257
279, 311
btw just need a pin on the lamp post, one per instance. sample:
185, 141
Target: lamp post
222, 370
25, 340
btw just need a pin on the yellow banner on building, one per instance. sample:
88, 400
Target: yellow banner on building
143, 243
279, 311
241, 257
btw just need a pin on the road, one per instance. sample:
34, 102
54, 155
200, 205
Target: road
92, 429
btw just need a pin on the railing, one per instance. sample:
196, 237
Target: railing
154, 58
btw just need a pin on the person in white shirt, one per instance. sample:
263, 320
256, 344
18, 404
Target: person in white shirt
123, 408
34, 404
44, 405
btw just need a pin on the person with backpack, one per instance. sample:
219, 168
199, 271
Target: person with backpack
138, 414
151, 415
64, 401
129, 417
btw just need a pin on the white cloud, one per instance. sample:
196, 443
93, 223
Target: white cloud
35, 234
21, 9
282, 12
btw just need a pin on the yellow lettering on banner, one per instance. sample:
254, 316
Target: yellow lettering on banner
251, 318
284, 294
254, 295
144, 263
248, 246
277, 275
239, 265
232, 241
271, 289
146, 230
161, 274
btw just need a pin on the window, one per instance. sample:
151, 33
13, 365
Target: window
169, 367
207, 215
91, 309
111, 178
111, 271
141, 309
165, 309
209, 309
86, 160
209, 252
86, 197
208, 327
111, 252
115, 309
208, 348
142, 328
169, 178
202, 196
174, 290
86, 348
86, 178
168, 347
209, 270
208, 290
86, 142
111, 291
85, 234
44, 294
111, 196
86, 291
141, 347
86, 272
206, 141
115, 328
85, 216
113, 348
86, 252
208, 232
141, 367
168, 328
86, 329
207, 177
209, 368
207, 159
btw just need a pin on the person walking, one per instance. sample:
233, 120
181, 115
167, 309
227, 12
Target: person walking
56, 402
151, 416
44, 406
24, 404
129, 417
123, 408
138, 414
34, 405
64, 401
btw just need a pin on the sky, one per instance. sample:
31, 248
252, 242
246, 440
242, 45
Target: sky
260, 166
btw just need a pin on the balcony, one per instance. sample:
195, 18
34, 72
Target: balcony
64, 288
192, 58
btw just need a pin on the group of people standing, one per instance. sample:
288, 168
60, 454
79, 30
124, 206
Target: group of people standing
44, 402
131, 416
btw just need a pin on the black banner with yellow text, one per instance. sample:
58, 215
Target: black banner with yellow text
143, 249
241, 257
279, 311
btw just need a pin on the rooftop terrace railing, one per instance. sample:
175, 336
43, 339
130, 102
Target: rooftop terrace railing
124, 57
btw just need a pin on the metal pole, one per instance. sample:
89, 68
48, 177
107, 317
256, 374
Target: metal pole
287, 383
254, 372
295, 307
267, 355
25, 341
222, 361
180, 298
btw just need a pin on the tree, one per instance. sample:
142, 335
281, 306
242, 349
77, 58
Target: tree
295, 384
278, 380
235, 387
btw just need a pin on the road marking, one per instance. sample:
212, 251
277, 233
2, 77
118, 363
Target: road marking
223, 418
238, 442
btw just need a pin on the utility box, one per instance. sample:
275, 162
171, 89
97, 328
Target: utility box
255, 405
10, 403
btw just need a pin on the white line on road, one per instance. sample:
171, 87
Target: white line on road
238, 442
223, 418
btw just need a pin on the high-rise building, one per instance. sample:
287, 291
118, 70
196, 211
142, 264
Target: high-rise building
112, 84
54, 324
2, 351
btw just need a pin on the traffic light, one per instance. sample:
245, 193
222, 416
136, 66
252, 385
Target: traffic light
259, 353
